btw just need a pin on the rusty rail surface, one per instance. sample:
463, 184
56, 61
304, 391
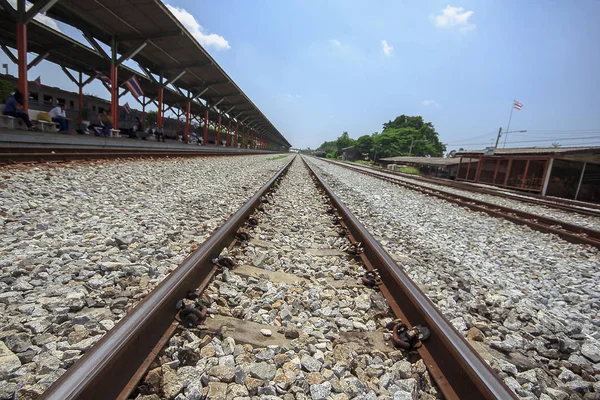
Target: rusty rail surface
457, 368
569, 232
106, 370
31, 154
579, 207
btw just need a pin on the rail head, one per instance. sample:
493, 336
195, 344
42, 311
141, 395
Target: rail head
464, 373
105, 370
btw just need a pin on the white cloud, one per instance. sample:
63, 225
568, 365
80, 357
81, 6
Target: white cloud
189, 22
49, 22
335, 42
454, 17
430, 103
387, 49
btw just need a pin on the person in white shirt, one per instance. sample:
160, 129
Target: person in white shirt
59, 116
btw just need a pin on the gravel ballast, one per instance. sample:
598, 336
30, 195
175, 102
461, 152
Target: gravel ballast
582, 220
318, 302
82, 242
531, 299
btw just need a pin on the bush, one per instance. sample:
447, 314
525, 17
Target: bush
333, 155
6, 90
409, 170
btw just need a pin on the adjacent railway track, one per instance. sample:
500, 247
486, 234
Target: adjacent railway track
116, 364
570, 232
31, 154
579, 207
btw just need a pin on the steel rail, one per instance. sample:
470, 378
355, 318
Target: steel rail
457, 368
105, 371
10, 156
558, 203
569, 232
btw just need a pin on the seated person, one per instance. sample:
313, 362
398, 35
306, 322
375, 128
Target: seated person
59, 116
14, 108
107, 121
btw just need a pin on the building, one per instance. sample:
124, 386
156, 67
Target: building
436, 166
44, 98
568, 172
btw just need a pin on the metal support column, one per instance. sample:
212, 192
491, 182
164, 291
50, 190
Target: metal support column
580, 180
187, 122
114, 85
206, 126
237, 139
228, 141
22, 55
219, 132
159, 119
524, 179
80, 100
547, 174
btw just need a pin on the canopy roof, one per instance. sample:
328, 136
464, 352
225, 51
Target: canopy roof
169, 51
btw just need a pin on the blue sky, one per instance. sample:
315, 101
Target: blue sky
317, 68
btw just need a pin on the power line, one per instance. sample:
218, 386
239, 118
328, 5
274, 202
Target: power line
527, 141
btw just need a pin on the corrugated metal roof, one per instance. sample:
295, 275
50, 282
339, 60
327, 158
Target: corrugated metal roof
533, 151
171, 49
436, 161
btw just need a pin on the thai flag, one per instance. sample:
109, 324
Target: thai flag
103, 77
134, 87
517, 105
127, 108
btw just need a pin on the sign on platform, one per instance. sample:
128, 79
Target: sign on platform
489, 151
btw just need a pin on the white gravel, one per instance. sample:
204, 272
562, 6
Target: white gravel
81, 242
587, 221
535, 297
295, 237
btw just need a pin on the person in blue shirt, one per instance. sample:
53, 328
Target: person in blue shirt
14, 108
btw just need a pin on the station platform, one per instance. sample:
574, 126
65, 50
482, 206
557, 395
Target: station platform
16, 138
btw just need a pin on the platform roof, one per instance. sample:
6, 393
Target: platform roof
170, 50
533, 151
431, 161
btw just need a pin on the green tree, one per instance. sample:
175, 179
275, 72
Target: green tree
413, 130
328, 147
6, 90
364, 144
151, 118
344, 141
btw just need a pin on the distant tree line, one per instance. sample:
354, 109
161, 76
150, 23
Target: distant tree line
403, 136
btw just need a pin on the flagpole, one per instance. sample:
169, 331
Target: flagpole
508, 126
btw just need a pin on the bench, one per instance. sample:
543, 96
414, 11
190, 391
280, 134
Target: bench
44, 126
6, 121
115, 133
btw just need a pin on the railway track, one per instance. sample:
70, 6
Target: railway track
170, 329
42, 154
579, 207
568, 231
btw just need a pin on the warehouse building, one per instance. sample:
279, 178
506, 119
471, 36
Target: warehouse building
567, 172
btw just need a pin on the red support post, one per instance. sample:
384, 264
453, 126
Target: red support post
228, 141
143, 113
206, 127
237, 139
159, 119
80, 101
22, 64
187, 122
114, 96
219, 132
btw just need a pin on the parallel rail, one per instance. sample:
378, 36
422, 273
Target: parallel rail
114, 366
570, 232
575, 206
30, 154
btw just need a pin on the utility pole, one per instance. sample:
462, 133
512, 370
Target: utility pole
411, 145
498, 138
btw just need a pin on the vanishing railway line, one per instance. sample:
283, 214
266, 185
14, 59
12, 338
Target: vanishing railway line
356, 313
571, 206
569, 231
